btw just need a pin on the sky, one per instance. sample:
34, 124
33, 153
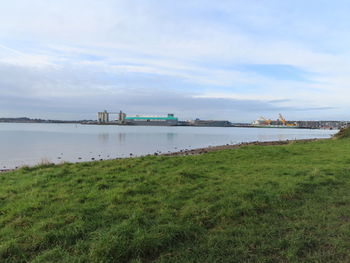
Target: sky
210, 59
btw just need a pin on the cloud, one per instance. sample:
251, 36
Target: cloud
241, 58
71, 94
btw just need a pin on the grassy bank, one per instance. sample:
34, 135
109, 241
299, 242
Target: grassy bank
287, 203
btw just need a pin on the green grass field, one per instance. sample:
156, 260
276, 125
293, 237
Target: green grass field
288, 203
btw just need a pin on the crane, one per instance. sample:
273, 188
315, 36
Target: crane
282, 119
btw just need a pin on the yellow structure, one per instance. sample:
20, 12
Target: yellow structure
283, 120
266, 121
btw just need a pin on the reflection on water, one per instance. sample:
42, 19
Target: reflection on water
170, 136
121, 137
30, 143
103, 137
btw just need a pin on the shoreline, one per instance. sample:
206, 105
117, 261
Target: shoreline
236, 146
203, 150
6, 170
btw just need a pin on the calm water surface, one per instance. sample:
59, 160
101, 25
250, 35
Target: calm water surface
29, 144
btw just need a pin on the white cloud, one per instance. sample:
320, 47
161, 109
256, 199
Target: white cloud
66, 49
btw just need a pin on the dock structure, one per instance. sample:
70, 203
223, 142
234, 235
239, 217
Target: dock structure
171, 120
281, 122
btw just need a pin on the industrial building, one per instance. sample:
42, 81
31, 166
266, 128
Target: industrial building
123, 119
103, 117
210, 123
169, 120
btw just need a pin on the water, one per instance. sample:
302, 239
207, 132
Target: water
30, 144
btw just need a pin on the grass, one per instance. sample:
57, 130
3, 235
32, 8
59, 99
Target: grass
343, 133
288, 203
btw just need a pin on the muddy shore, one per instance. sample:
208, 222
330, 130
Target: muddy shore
6, 170
234, 146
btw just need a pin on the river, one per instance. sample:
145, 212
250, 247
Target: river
31, 143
